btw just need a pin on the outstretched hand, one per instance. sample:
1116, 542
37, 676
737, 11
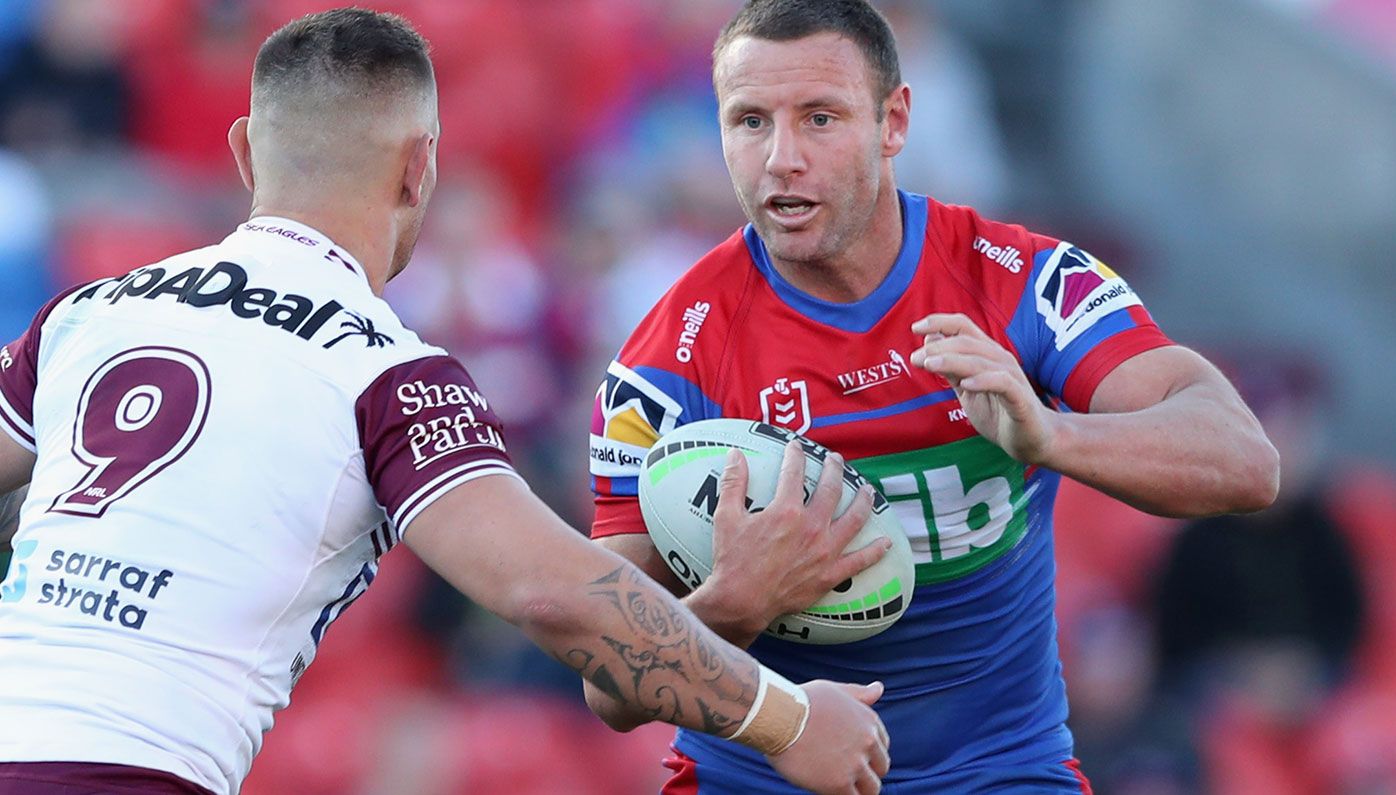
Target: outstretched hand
989, 382
783, 558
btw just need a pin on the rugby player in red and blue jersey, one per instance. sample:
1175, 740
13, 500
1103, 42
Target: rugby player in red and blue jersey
962, 365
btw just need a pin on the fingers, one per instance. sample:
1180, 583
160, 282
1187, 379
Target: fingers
948, 325
825, 499
868, 694
731, 490
996, 381
850, 563
956, 366
882, 759
869, 783
989, 349
853, 518
790, 488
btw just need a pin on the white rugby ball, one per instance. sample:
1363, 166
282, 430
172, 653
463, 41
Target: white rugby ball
678, 494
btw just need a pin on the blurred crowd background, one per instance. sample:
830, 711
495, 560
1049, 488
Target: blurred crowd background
1234, 159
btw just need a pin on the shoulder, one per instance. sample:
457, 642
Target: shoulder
687, 327
364, 339
992, 260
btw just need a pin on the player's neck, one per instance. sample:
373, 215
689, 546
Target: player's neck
370, 242
856, 271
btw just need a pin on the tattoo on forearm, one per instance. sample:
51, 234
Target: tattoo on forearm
666, 648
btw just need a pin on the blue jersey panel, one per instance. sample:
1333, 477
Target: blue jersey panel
986, 638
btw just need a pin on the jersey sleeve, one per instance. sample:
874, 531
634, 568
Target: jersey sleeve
1076, 321
19, 375
424, 429
634, 407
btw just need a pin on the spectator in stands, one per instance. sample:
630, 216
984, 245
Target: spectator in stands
1259, 616
64, 88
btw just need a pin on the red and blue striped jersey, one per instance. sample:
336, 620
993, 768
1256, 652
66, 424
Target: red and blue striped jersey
972, 670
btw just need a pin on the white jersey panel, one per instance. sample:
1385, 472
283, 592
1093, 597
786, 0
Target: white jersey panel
201, 509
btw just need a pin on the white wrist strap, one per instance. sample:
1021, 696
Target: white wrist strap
777, 717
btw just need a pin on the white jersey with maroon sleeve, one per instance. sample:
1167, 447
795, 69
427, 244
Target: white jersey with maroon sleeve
227, 441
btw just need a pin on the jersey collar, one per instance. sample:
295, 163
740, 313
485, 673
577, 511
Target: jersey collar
284, 234
858, 316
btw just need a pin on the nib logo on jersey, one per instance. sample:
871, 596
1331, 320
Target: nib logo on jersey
1074, 290
225, 284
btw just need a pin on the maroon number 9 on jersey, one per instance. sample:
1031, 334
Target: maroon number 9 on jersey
138, 412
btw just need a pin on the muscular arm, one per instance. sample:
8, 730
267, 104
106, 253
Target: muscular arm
1168, 434
802, 556
589, 607
639, 550
635, 643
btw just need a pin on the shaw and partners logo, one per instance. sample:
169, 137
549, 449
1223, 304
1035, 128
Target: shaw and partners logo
868, 377
225, 284
432, 438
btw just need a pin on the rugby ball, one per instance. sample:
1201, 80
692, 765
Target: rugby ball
678, 495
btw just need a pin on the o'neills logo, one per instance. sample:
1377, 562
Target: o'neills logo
693, 318
6, 360
225, 284
1007, 256
877, 375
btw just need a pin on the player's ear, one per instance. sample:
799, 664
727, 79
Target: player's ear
414, 177
242, 151
896, 117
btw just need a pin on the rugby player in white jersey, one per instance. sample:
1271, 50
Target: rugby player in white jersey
221, 445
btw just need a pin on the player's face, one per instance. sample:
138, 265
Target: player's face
803, 142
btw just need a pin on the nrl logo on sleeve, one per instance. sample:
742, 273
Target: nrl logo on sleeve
1075, 290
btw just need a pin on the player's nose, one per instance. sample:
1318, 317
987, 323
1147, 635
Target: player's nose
785, 156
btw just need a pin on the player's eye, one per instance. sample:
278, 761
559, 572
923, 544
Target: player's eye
821, 119
751, 122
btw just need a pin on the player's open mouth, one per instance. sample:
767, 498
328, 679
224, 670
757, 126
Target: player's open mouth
791, 210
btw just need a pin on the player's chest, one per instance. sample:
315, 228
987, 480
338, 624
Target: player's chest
857, 393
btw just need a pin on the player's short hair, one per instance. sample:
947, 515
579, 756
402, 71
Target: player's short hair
350, 49
787, 20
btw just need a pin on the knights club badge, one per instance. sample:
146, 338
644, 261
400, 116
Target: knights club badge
786, 403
